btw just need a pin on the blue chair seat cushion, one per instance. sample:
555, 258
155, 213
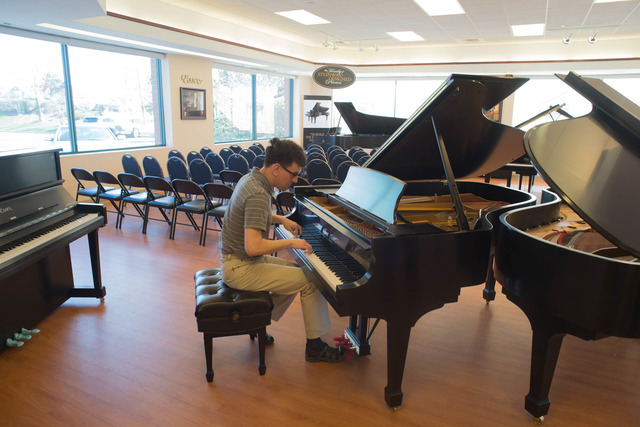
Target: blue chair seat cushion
137, 198
168, 202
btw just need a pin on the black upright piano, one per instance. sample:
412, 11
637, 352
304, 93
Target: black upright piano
367, 131
38, 221
571, 263
401, 235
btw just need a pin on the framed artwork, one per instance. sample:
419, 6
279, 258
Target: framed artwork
192, 104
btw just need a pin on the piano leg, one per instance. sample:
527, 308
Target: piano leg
98, 291
489, 291
397, 343
544, 356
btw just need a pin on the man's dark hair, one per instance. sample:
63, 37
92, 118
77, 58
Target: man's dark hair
285, 152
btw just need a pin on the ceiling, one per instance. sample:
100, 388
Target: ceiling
249, 30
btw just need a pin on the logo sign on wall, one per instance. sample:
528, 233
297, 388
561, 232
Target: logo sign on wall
334, 77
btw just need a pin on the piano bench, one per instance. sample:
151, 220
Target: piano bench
222, 311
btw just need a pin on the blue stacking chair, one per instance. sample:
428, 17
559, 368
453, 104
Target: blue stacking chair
225, 153
131, 165
256, 149
258, 162
238, 163
177, 169
216, 163
200, 172
152, 166
178, 154
341, 172
235, 148
249, 155
318, 169
204, 151
193, 155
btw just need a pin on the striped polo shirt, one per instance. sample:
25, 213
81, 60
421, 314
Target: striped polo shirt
249, 207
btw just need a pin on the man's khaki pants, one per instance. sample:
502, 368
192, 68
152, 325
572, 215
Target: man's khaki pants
284, 279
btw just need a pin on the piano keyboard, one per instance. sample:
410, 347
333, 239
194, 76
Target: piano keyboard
329, 260
41, 237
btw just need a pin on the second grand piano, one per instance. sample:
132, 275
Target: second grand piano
401, 236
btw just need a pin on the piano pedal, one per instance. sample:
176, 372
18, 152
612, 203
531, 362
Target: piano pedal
14, 343
20, 336
538, 420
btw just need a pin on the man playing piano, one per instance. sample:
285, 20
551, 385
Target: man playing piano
245, 247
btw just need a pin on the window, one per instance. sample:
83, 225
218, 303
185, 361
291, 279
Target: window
251, 106
539, 94
390, 98
111, 97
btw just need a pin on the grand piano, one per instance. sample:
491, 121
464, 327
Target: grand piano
571, 262
367, 131
38, 221
401, 236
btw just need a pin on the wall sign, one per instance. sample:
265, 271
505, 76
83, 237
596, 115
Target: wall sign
334, 77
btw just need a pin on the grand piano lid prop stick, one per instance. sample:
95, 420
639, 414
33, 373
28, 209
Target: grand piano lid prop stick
562, 282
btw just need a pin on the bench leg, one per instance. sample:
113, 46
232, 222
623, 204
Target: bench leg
208, 354
262, 343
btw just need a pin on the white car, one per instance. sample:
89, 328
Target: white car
90, 137
118, 127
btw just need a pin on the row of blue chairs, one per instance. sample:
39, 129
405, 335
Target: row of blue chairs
169, 197
332, 164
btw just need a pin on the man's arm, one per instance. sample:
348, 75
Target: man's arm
255, 244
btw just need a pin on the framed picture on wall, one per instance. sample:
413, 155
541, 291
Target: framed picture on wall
193, 104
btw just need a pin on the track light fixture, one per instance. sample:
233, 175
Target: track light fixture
567, 39
593, 38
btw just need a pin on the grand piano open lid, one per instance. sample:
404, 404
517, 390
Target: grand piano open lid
593, 162
366, 124
475, 144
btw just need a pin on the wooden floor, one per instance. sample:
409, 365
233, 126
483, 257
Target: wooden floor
137, 359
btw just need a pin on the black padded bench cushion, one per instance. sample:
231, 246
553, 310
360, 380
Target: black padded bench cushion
221, 310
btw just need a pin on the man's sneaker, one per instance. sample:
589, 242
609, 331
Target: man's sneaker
325, 354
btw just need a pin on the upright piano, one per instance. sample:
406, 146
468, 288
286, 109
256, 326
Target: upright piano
571, 262
367, 131
38, 221
401, 236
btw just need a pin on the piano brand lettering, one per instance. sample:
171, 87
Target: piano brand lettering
188, 79
5, 210
334, 77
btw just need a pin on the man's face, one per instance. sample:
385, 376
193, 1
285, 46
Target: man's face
286, 175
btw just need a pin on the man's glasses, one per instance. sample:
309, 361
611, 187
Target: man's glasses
293, 174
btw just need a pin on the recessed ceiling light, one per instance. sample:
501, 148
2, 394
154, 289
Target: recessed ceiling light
440, 7
303, 17
406, 36
527, 30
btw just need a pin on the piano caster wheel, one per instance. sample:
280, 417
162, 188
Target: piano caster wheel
538, 420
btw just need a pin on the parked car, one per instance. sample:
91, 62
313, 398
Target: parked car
89, 137
118, 127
